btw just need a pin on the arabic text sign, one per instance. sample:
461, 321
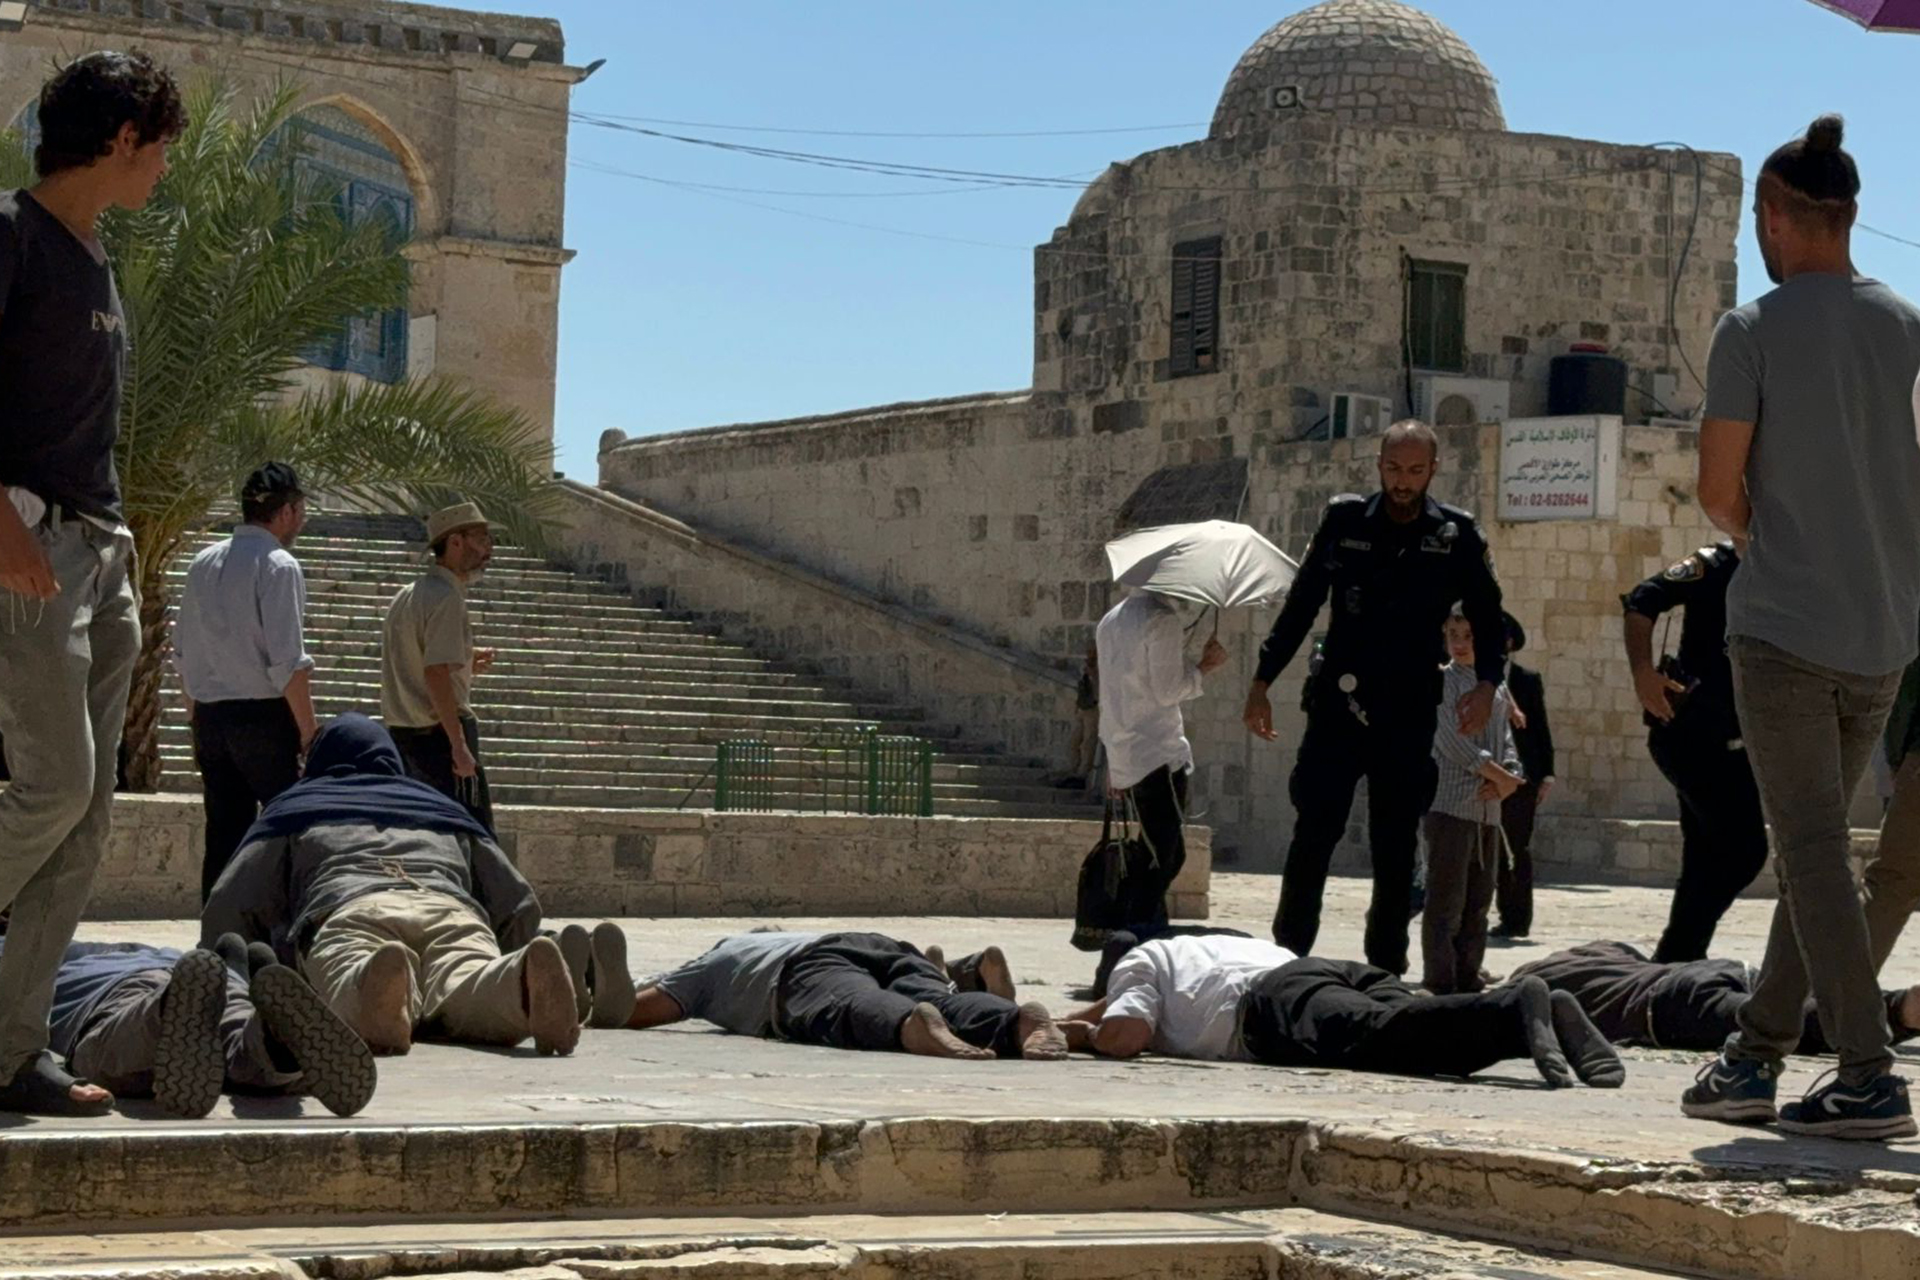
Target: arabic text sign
1559, 468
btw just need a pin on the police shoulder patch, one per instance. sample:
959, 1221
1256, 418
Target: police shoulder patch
1692, 569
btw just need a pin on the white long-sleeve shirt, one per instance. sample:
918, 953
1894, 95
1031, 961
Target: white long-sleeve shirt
1144, 677
237, 635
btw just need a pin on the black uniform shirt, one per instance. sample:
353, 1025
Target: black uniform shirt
1392, 587
1699, 584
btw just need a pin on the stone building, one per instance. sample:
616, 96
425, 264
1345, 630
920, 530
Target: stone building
1359, 219
451, 122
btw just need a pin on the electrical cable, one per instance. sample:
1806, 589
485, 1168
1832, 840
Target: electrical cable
873, 133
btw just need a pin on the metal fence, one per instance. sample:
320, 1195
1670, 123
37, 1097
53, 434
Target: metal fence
858, 771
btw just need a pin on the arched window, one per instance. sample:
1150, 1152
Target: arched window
372, 184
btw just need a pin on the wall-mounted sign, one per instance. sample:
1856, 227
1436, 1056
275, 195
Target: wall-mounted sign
1560, 468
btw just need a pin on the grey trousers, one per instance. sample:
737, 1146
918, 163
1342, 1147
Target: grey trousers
65, 667
1892, 888
1463, 861
115, 1049
1810, 733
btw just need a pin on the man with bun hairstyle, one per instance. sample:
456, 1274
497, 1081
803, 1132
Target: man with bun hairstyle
1808, 461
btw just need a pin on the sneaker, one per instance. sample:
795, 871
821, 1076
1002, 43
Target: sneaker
1876, 1111
1735, 1091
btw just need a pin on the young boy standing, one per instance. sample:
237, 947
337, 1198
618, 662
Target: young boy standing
1477, 772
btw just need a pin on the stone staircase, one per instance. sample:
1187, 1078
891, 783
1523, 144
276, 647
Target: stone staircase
597, 700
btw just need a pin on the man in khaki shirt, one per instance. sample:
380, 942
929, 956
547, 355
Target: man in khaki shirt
428, 663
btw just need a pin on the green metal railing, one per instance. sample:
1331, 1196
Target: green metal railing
858, 771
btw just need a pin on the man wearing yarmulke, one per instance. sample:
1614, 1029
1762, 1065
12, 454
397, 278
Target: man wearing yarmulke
1808, 461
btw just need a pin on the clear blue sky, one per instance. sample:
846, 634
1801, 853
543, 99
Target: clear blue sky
685, 309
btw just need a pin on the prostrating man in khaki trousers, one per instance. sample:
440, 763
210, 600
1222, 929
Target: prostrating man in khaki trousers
397, 904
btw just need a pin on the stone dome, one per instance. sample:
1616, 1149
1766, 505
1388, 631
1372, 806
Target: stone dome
1374, 62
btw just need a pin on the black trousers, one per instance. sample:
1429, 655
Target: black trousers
248, 752
1395, 755
854, 990
1353, 1017
1723, 836
1160, 801
1513, 894
429, 759
1697, 1006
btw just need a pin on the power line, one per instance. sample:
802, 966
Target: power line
881, 133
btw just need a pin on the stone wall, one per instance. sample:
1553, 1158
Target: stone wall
627, 862
483, 141
993, 693
988, 514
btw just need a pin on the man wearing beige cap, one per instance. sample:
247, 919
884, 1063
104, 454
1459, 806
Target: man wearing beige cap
428, 663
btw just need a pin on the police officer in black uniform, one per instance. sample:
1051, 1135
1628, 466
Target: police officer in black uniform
1393, 565
1693, 735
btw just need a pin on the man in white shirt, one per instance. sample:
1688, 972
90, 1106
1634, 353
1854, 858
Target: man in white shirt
1244, 1000
1144, 677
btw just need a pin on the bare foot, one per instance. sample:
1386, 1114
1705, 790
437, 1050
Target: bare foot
551, 1014
385, 1019
996, 975
938, 957
926, 1033
1040, 1039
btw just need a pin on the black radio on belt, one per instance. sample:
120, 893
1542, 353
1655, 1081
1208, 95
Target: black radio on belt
1670, 668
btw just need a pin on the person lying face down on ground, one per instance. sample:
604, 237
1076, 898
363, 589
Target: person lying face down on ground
1686, 1005
184, 1027
850, 991
1247, 1000
396, 904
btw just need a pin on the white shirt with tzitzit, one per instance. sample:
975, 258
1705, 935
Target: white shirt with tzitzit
1460, 757
1144, 677
1188, 990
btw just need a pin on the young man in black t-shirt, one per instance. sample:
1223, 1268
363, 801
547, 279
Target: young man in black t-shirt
69, 617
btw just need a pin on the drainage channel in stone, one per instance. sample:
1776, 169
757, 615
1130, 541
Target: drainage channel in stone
584, 1258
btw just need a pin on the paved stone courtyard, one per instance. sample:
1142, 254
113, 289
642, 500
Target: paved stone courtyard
692, 1073
683, 1152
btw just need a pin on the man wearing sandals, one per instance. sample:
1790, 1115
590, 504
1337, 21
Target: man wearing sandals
183, 1028
69, 617
852, 991
398, 906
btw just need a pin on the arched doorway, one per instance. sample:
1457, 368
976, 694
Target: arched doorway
370, 182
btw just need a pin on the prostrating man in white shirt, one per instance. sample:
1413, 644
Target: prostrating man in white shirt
242, 657
1245, 1000
1145, 676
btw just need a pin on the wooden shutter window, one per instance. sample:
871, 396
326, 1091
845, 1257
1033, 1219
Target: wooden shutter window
1195, 345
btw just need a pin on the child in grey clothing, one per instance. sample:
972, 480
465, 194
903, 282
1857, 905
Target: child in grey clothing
1463, 826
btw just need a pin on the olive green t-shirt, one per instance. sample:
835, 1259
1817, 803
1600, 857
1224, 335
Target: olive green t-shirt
427, 626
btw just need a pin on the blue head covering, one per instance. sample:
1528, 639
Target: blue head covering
355, 775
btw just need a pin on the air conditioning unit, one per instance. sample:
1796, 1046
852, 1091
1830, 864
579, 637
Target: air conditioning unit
1357, 415
1447, 400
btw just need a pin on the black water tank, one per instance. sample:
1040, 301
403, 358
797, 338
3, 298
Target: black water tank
1585, 381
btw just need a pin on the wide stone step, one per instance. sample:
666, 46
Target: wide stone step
635, 694
561, 674
364, 641
1294, 1243
587, 724
554, 618
476, 1198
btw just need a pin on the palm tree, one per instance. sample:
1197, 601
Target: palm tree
242, 261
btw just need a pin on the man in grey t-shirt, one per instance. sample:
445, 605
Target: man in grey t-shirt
845, 991
1808, 459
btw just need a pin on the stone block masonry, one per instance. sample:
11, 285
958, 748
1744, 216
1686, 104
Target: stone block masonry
652, 863
482, 140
